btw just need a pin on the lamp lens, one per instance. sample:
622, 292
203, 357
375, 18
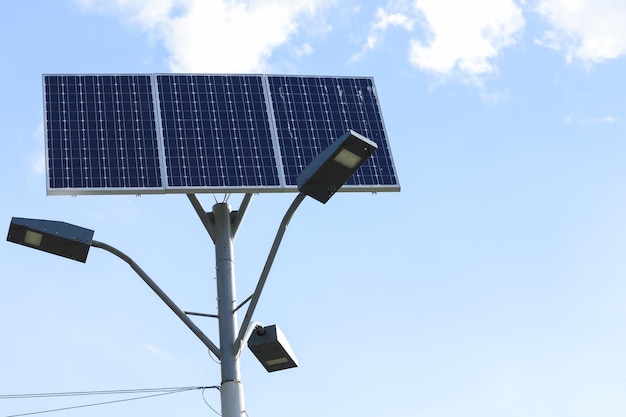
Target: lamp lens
33, 238
277, 361
348, 159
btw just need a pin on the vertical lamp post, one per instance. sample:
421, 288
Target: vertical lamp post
320, 180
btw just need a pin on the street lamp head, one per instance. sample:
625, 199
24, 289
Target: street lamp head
335, 165
272, 349
58, 238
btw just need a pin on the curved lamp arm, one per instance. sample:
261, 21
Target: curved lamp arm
254, 298
180, 313
251, 327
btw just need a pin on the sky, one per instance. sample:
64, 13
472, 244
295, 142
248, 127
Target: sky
491, 285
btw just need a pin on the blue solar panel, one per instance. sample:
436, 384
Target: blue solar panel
101, 133
216, 133
182, 133
312, 112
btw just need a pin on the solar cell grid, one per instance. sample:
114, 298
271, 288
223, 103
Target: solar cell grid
216, 132
100, 132
312, 112
204, 133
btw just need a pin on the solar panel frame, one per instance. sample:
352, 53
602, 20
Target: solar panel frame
316, 110
225, 117
378, 173
88, 119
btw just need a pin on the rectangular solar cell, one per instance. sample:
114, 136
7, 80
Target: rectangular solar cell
312, 112
216, 133
101, 134
181, 133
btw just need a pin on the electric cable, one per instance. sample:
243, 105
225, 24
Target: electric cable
159, 392
103, 392
214, 359
207, 403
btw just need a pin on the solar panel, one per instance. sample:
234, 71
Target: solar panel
101, 134
180, 133
216, 133
312, 112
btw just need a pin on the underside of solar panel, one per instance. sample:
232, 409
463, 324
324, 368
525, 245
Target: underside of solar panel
203, 133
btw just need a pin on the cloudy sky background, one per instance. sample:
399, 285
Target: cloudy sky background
492, 284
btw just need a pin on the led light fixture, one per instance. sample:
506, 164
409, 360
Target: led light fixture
58, 238
271, 348
335, 165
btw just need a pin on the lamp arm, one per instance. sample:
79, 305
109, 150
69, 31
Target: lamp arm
254, 299
180, 313
251, 327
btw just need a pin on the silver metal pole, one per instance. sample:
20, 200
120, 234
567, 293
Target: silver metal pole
231, 387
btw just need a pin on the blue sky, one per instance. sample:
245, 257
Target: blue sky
491, 285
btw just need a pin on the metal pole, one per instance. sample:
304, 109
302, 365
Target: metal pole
231, 387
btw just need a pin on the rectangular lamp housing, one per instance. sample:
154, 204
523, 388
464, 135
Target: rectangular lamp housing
272, 349
335, 165
58, 238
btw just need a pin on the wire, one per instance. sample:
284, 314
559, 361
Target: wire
159, 391
207, 403
88, 405
83, 393
214, 359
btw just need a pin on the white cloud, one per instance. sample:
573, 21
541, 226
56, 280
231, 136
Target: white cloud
216, 35
304, 49
465, 36
384, 20
395, 19
593, 121
592, 31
